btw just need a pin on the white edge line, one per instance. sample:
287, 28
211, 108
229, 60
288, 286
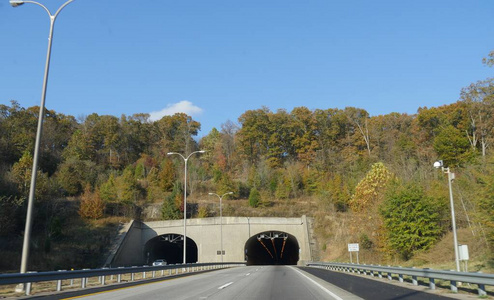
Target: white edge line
320, 286
225, 285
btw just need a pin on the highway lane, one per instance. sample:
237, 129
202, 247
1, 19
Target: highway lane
373, 289
256, 282
253, 282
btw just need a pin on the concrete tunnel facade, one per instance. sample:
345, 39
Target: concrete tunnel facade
256, 241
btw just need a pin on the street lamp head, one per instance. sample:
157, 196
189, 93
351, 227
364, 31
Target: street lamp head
202, 151
212, 194
229, 193
16, 3
171, 153
438, 164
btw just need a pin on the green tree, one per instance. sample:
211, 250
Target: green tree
452, 146
73, 174
170, 210
412, 220
10, 208
108, 190
254, 197
128, 190
486, 204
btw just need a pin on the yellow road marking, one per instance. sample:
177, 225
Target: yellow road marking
124, 288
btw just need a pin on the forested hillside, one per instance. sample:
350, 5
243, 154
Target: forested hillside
339, 165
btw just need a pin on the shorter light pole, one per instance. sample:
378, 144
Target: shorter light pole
221, 220
439, 164
185, 198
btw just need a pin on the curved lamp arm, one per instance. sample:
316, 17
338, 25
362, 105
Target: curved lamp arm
16, 3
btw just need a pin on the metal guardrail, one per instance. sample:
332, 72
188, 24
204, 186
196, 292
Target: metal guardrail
85, 274
480, 279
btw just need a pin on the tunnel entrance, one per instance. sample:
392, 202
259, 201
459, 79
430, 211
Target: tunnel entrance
170, 247
272, 248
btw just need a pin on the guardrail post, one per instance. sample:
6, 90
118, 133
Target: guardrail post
144, 275
380, 274
453, 286
119, 276
400, 277
84, 281
482, 291
432, 283
102, 277
390, 276
414, 280
59, 282
28, 288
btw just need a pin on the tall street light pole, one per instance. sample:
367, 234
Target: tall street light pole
221, 221
185, 197
439, 164
32, 188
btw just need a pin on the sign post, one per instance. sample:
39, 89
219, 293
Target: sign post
353, 248
463, 253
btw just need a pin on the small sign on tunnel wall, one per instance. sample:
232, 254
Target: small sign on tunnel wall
219, 252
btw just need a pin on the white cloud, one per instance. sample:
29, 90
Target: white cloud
181, 107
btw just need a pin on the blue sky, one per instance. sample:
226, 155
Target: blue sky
216, 59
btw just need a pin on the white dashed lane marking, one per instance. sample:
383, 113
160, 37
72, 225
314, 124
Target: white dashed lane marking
225, 285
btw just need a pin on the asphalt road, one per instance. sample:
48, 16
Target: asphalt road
256, 282
371, 289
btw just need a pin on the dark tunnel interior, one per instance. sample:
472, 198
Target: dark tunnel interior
170, 247
272, 248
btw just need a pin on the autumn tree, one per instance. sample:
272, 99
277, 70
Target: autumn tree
478, 99
489, 60
359, 118
304, 134
370, 190
92, 206
253, 135
176, 132
228, 134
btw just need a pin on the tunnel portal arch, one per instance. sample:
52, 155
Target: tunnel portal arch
272, 248
170, 247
